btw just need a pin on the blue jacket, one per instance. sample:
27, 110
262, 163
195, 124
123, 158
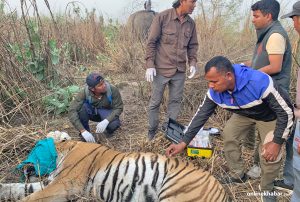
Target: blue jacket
254, 96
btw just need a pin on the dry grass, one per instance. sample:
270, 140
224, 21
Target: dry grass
110, 50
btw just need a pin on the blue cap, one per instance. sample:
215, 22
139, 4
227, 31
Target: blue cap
93, 79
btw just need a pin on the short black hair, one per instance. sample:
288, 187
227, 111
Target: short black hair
266, 7
221, 63
176, 4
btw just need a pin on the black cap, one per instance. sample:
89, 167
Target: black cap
93, 79
176, 4
295, 11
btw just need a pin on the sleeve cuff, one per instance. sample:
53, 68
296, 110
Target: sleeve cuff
150, 64
278, 140
193, 63
186, 140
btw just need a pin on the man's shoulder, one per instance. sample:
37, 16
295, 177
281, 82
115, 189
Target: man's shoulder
165, 12
114, 88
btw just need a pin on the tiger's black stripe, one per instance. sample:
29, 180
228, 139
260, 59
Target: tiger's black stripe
165, 170
25, 190
90, 173
170, 178
75, 164
134, 180
143, 170
213, 188
93, 164
126, 169
174, 175
30, 190
115, 178
124, 190
103, 183
93, 178
155, 177
183, 188
118, 190
176, 164
108, 169
148, 197
154, 158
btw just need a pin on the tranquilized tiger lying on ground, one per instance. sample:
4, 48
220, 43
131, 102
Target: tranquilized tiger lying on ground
108, 175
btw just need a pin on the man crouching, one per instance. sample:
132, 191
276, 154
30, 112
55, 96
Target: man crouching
98, 101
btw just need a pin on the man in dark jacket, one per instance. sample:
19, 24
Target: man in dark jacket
273, 56
99, 101
253, 98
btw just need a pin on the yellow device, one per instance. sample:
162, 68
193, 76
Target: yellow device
199, 152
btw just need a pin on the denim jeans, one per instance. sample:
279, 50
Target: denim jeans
288, 170
88, 113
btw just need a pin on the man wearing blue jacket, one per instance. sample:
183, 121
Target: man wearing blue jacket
254, 99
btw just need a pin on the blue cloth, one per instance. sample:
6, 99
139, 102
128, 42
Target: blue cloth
43, 157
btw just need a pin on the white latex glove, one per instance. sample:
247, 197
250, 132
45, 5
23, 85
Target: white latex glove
88, 136
150, 73
101, 126
192, 72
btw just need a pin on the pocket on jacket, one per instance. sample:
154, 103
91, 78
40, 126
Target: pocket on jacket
169, 36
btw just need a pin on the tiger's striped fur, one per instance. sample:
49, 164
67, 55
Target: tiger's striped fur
108, 175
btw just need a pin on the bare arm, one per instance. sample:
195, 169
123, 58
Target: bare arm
275, 65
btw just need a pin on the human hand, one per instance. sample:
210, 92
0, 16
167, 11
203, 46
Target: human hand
192, 72
174, 149
270, 151
88, 136
150, 73
101, 126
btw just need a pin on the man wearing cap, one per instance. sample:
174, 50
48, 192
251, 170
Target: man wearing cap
272, 55
295, 15
172, 41
98, 101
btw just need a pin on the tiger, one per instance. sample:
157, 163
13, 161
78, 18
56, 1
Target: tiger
94, 170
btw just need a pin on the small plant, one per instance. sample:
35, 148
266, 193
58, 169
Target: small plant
32, 56
59, 101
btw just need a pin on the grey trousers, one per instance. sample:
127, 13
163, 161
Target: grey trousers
234, 134
176, 86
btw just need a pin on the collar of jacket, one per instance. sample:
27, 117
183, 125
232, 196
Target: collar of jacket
175, 16
261, 33
239, 71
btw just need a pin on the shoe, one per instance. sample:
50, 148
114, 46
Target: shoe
254, 172
151, 134
231, 180
279, 184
